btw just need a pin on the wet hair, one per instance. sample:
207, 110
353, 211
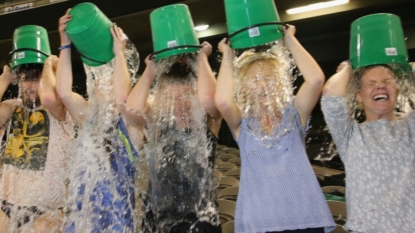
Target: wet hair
357, 76
178, 67
28, 71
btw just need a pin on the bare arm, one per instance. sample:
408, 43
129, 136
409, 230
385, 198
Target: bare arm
121, 79
310, 91
76, 105
47, 89
337, 84
206, 82
224, 90
138, 98
6, 107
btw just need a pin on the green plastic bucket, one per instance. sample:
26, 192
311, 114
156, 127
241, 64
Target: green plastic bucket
378, 39
30, 45
89, 30
173, 31
252, 22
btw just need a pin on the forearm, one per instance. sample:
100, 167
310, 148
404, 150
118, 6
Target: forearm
137, 99
64, 74
206, 86
122, 81
310, 70
3, 87
225, 83
337, 84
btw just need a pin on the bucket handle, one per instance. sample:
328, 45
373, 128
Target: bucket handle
23, 49
254, 26
152, 55
91, 59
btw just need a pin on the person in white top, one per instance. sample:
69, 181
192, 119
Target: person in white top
32, 166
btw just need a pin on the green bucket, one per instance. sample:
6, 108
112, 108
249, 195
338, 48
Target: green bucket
89, 30
378, 39
252, 22
30, 45
173, 31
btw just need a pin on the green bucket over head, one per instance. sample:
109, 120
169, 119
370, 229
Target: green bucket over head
252, 22
89, 30
30, 45
378, 39
173, 31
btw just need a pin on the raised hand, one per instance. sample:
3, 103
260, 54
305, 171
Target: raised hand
63, 23
120, 40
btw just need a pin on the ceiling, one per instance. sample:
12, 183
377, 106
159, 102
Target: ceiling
324, 33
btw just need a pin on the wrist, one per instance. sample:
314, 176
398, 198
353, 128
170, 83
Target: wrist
289, 40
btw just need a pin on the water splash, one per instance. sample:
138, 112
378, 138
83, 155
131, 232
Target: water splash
263, 90
101, 162
181, 181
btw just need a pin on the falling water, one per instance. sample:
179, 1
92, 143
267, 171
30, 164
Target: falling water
404, 82
264, 90
181, 183
95, 184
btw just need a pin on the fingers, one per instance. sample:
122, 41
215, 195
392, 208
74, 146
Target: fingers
67, 11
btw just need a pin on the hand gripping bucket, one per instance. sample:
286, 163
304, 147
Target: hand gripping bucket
173, 31
89, 30
252, 22
30, 46
378, 39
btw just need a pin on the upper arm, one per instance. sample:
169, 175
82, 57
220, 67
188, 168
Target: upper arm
232, 115
338, 120
77, 107
307, 98
6, 110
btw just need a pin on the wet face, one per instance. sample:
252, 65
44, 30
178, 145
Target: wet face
29, 89
378, 92
181, 95
260, 75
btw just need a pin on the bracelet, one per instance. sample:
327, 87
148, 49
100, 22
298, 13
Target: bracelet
68, 46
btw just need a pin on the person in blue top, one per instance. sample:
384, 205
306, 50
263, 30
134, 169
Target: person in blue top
101, 158
278, 190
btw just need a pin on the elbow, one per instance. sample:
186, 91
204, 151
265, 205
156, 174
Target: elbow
328, 89
318, 80
47, 99
222, 104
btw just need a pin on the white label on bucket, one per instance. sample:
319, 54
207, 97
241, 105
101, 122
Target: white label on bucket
254, 32
20, 55
391, 52
171, 43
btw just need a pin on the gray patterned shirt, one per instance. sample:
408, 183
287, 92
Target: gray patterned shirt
379, 157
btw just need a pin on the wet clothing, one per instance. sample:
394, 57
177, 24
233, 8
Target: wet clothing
24, 214
175, 204
112, 212
278, 189
379, 161
312, 230
33, 170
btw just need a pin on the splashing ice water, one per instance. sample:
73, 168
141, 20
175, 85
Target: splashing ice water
181, 182
101, 162
263, 90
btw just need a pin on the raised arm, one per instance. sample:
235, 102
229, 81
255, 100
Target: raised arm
121, 79
138, 98
76, 105
224, 90
47, 89
337, 84
6, 108
310, 91
206, 82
